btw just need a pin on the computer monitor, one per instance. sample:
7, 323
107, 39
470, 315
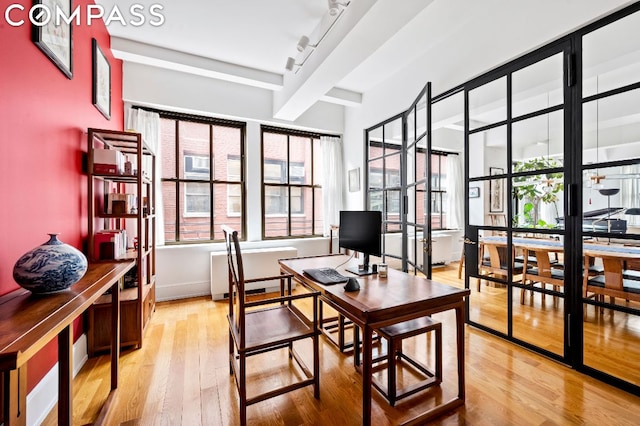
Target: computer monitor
361, 231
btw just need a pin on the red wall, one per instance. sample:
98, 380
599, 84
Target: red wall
43, 117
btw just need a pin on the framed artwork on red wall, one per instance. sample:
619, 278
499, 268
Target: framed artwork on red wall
101, 92
54, 40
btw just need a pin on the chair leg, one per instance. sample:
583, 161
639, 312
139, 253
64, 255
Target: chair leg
392, 356
242, 391
231, 354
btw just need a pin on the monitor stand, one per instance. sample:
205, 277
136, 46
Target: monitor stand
363, 269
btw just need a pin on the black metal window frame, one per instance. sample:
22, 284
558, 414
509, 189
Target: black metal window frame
211, 181
290, 183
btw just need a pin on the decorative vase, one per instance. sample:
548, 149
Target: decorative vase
51, 267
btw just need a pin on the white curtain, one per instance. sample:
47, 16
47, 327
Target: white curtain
455, 192
629, 190
148, 124
332, 181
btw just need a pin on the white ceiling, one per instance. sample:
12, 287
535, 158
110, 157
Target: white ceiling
249, 41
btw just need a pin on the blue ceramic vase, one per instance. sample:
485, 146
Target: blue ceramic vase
52, 267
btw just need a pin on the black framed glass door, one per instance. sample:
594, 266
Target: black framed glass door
516, 134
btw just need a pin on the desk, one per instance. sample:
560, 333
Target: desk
385, 301
28, 323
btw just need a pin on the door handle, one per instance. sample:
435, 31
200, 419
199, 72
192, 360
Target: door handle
468, 241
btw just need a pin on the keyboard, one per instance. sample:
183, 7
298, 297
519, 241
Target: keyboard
326, 276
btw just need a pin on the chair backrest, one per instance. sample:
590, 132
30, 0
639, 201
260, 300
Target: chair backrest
613, 272
544, 263
236, 281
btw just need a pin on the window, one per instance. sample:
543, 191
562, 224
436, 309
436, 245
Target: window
438, 190
291, 190
202, 177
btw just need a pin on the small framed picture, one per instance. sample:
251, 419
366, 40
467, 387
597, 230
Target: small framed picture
54, 40
354, 180
496, 191
474, 192
101, 93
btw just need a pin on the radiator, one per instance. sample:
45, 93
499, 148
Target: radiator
257, 263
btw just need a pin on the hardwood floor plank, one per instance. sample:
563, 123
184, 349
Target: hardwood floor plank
181, 377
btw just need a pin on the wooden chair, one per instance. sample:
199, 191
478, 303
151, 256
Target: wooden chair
261, 326
496, 264
543, 272
613, 283
394, 335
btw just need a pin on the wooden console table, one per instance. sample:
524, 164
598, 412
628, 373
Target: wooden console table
28, 322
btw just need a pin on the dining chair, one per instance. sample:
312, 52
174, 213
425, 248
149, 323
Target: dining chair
261, 326
496, 263
543, 272
613, 283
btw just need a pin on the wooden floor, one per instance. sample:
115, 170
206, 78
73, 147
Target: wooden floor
181, 377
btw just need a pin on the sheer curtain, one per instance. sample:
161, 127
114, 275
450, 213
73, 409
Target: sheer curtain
148, 124
455, 192
629, 190
332, 181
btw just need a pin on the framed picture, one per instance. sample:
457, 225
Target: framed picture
101, 81
474, 192
496, 191
354, 180
54, 40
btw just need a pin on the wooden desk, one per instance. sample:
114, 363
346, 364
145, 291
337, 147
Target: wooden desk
385, 301
29, 322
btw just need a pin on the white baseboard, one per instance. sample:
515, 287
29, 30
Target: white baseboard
182, 290
44, 396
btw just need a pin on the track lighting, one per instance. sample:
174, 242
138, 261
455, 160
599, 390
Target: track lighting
334, 6
304, 43
291, 62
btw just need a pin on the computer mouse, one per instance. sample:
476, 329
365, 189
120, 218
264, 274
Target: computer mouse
352, 285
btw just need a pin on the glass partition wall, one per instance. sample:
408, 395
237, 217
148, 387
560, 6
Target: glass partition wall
610, 228
550, 148
553, 246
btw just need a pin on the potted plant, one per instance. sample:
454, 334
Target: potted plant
536, 189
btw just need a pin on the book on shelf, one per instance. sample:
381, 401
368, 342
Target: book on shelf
110, 244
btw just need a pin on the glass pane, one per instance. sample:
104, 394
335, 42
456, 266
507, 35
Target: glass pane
393, 244
393, 133
229, 210
421, 116
411, 204
169, 206
411, 164
435, 172
392, 201
411, 126
611, 199
168, 135
610, 60
392, 171
538, 201
227, 142
414, 248
478, 202
611, 128
538, 86
300, 160
375, 141
194, 150
421, 165
195, 211
488, 304
301, 211
274, 165
421, 207
538, 142
276, 221
447, 127
488, 104
376, 180
611, 285
376, 200
488, 149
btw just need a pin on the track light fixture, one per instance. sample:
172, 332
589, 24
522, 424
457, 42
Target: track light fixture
334, 6
304, 43
291, 62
